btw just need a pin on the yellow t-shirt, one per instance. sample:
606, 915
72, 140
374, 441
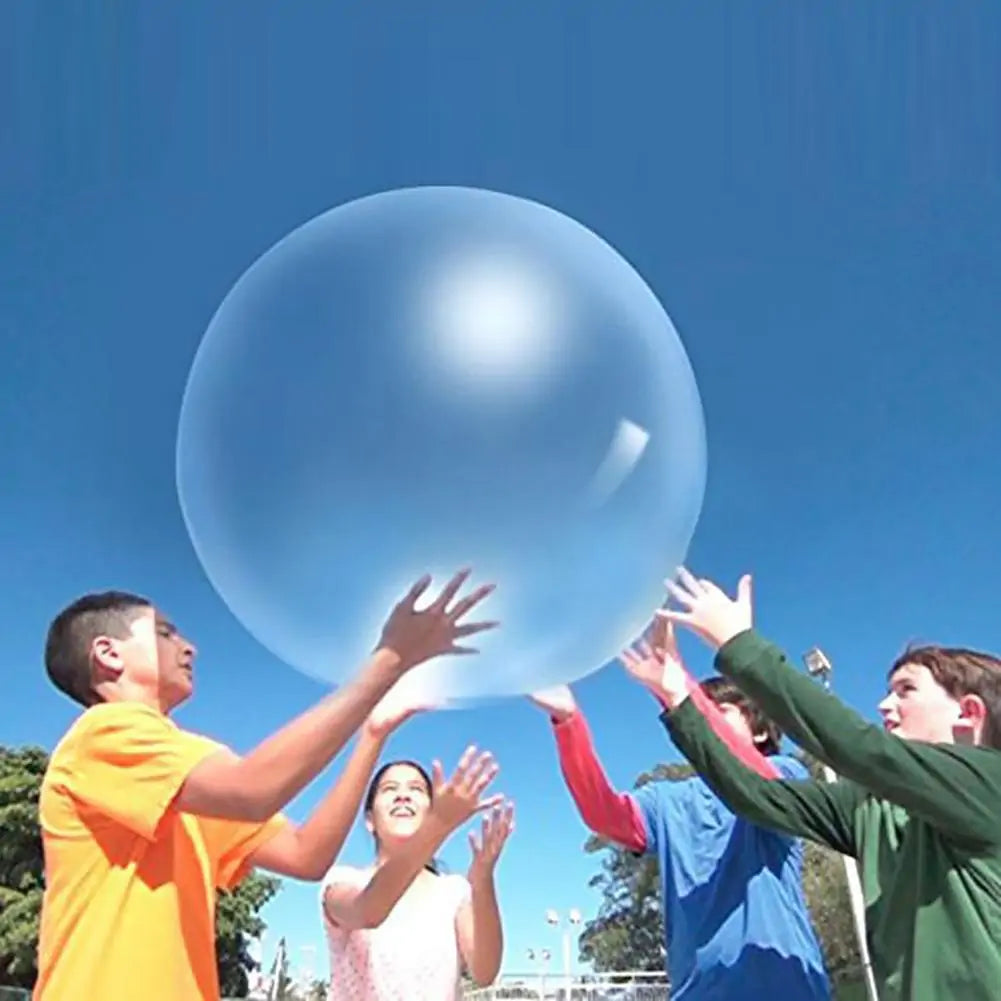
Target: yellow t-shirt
129, 907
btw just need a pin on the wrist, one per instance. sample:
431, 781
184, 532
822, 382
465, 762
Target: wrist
670, 698
480, 878
388, 662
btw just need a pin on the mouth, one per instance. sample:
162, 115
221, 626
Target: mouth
403, 811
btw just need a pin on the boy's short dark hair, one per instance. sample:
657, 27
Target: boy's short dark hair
768, 737
74, 629
962, 672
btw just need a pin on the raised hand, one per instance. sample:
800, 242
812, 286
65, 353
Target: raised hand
456, 799
416, 635
558, 701
708, 611
494, 832
656, 662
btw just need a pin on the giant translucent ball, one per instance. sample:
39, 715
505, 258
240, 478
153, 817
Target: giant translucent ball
432, 378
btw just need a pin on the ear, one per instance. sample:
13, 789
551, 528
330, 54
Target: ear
972, 716
369, 826
105, 658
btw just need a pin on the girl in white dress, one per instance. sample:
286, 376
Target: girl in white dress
399, 930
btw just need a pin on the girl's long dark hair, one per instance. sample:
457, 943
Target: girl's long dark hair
434, 865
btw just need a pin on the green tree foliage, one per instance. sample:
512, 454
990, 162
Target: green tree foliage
238, 920
22, 882
21, 863
628, 931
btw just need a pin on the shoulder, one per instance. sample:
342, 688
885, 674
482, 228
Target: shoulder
456, 888
661, 793
343, 875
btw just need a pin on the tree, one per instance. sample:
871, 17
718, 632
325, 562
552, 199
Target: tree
628, 932
238, 920
22, 881
21, 863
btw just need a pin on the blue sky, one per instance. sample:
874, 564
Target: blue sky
814, 197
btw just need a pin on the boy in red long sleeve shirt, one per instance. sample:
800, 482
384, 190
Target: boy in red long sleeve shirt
736, 921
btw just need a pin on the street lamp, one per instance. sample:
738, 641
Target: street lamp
819, 666
542, 956
573, 920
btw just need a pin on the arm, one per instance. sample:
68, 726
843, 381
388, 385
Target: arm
257, 786
454, 802
955, 788
351, 907
613, 815
818, 811
478, 923
308, 851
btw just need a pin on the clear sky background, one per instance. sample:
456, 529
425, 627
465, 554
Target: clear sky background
814, 196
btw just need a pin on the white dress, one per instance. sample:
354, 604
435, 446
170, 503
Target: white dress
412, 956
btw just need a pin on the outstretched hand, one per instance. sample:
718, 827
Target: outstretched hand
494, 832
457, 799
417, 635
558, 701
707, 610
656, 663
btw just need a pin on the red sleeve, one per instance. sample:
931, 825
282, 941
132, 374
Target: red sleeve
613, 815
743, 750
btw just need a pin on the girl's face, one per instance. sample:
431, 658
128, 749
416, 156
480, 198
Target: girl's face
401, 802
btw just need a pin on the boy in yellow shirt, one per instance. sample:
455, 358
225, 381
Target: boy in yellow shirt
142, 821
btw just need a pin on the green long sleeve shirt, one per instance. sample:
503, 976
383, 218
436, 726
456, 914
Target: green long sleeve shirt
923, 821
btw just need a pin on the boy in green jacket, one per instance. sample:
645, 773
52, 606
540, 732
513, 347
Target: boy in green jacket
918, 804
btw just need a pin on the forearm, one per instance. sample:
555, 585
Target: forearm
798, 808
956, 789
395, 873
488, 935
743, 750
608, 813
322, 836
277, 770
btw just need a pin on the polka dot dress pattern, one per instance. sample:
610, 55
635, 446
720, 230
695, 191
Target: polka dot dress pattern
412, 956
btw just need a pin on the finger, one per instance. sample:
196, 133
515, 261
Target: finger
462, 606
474, 844
745, 589
471, 766
645, 649
458, 776
410, 599
474, 627
689, 581
462, 650
483, 778
686, 599
449, 591
437, 775
489, 804
629, 660
682, 618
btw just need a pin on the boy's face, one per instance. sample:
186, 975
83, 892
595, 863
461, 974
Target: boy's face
917, 707
154, 659
737, 721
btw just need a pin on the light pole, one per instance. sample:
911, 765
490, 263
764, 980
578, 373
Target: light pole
819, 666
542, 956
573, 920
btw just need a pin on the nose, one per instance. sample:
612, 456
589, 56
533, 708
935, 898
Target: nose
888, 706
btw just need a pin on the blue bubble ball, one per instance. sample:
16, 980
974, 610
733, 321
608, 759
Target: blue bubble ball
432, 378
